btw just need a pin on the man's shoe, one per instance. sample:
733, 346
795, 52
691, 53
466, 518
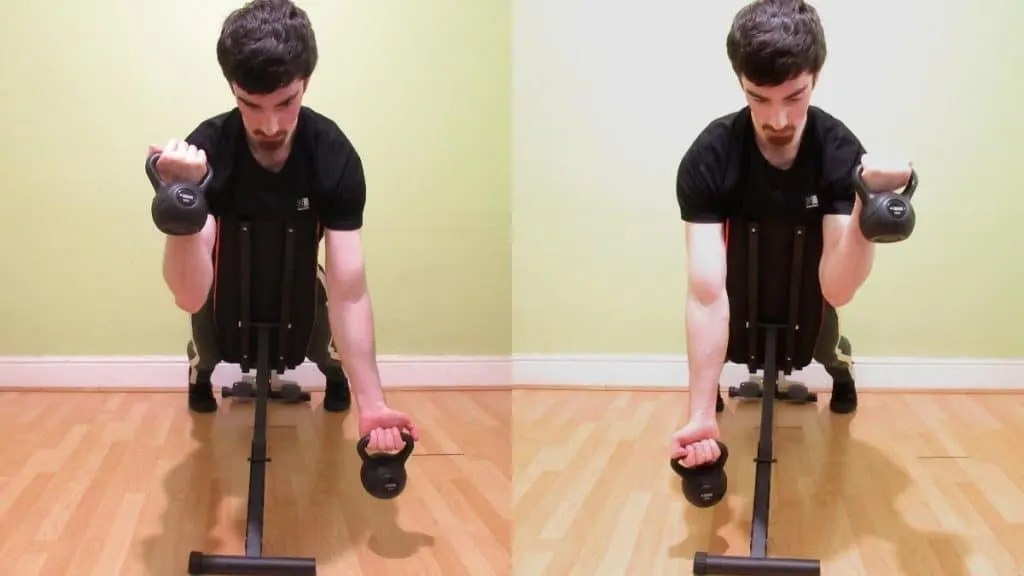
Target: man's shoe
844, 397
200, 397
844, 389
338, 397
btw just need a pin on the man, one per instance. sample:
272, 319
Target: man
777, 157
274, 158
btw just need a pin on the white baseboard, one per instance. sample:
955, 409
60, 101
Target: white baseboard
670, 372
171, 372
521, 371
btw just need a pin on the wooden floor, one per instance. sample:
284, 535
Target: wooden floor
525, 483
911, 484
127, 484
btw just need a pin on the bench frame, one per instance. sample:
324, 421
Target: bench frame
253, 561
775, 335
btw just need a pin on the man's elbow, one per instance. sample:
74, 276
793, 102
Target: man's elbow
346, 285
837, 296
838, 299
707, 288
189, 304
839, 285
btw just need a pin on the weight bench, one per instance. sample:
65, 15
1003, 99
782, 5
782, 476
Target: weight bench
776, 309
264, 309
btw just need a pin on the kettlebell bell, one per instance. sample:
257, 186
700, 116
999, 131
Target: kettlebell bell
704, 485
179, 209
885, 217
383, 474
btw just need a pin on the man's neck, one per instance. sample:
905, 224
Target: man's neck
781, 157
273, 161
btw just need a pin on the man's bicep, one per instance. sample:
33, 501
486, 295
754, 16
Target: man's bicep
833, 228
344, 263
706, 257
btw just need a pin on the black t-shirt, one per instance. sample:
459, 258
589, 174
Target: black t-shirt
262, 214
724, 178
323, 173
723, 174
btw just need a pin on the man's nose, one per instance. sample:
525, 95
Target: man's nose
777, 119
270, 125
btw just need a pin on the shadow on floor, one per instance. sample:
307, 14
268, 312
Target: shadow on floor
315, 504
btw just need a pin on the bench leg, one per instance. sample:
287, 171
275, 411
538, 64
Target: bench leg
785, 391
286, 391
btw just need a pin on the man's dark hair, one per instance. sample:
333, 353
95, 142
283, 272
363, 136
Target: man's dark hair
772, 41
265, 45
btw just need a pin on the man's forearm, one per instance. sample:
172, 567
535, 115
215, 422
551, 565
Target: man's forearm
188, 267
351, 319
848, 264
707, 338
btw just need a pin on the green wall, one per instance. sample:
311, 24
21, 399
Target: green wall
422, 88
600, 258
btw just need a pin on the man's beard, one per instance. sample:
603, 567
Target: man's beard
269, 146
780, 139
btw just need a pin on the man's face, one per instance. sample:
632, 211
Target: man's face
779, 112
270, 119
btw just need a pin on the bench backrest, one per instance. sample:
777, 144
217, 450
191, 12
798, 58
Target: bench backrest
772, 279
265, 274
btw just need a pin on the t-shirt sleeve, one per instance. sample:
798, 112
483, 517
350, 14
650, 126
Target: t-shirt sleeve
698, 184
344, 185
205, 136
210, 137
842, 155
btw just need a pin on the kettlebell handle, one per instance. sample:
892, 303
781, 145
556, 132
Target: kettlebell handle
865, 194
364, 442
683, 471
159, 184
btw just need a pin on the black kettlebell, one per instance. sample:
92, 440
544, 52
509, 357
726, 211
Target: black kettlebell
383, 474
179, 209
704, 485
885, 217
